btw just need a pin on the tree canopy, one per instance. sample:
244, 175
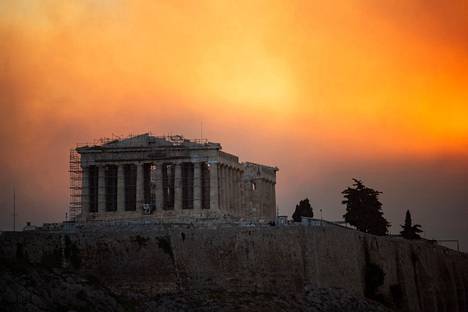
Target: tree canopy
410, 231
303, 209
364, 210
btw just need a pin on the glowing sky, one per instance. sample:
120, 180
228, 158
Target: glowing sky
325, 90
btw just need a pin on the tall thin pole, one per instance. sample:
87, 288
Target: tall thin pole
14, 210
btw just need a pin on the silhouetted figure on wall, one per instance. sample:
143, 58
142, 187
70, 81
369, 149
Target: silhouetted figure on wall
410, 231
303, 209
364, 210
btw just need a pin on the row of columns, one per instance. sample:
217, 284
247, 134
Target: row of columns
230, 189
159, 191
197, 186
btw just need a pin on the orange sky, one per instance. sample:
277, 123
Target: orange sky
326, 90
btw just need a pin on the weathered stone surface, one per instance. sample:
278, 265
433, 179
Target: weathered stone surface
27, 288
318, 300
147, 261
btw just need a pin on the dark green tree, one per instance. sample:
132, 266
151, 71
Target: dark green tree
364, 210
303, 209
410, 231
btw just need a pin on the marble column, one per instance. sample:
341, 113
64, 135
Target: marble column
236, 193
120, 188
241, 194
178, 187
229, 187
140, 191
233, 190
225, 189
242, 201
159, 187
101, 188
197, 196
273, 194
214, 192
85, 191
221, 186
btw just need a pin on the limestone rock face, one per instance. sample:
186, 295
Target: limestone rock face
27, 288
318, 300
301, 267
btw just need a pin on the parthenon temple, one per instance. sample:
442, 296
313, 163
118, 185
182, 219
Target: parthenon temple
172, 178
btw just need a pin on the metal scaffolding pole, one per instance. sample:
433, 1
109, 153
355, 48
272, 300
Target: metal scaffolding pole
75, 171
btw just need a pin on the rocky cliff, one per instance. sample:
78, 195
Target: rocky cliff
296, 265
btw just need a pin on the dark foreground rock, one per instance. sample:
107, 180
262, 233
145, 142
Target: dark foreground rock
317, 300
34, 288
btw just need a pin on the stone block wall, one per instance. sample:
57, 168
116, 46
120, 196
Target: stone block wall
146, 260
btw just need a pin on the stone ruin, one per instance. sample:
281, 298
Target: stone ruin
173, 179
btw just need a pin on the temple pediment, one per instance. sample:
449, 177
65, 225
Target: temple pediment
142, 140
146, 140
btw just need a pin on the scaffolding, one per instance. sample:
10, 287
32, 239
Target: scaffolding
76, 173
